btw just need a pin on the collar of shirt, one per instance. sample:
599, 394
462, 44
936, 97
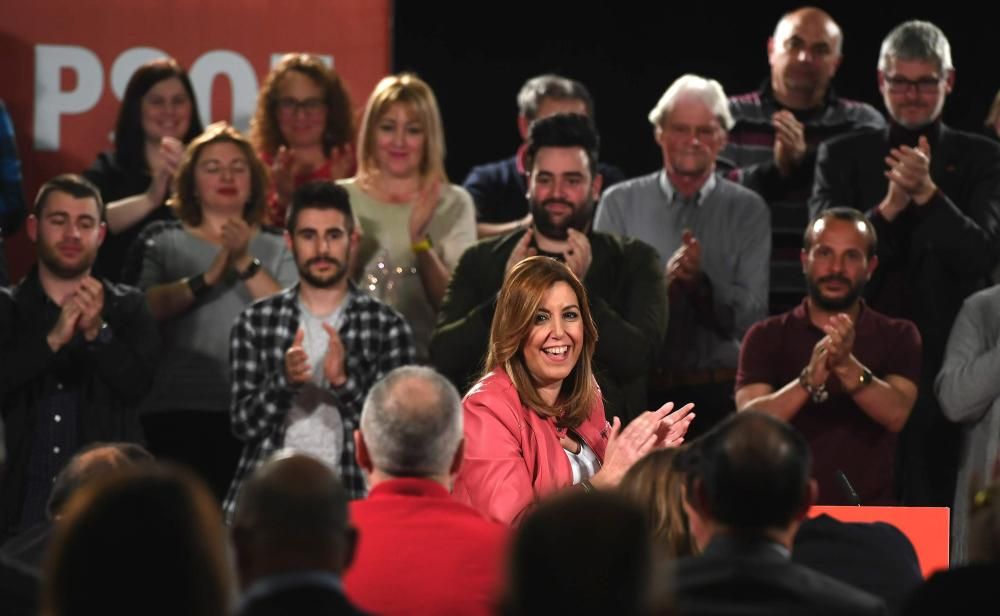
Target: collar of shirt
409, 486
702, 194
292, 579
800, 314
734, 543
766, 93
900, 135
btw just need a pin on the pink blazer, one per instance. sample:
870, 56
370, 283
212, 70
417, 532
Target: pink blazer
512, 454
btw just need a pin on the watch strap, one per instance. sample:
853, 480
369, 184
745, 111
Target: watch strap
251, 270
198, 285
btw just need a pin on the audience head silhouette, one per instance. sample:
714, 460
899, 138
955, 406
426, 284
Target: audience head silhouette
145, 540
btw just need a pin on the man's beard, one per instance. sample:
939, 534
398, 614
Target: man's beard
579, 219
834, 304
49, 257
318, 282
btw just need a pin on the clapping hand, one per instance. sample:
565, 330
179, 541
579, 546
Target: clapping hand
663, 427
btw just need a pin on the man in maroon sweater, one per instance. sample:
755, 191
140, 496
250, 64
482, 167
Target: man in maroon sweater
843, 374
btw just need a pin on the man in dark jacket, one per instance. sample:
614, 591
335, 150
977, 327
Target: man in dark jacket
933, 196
625, 285
76, 353
747, 490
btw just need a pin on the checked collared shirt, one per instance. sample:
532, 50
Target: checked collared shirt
376, 340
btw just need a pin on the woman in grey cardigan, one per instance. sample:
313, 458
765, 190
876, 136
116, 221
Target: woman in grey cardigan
199, 272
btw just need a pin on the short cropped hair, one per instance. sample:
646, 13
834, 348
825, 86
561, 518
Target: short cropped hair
615, 576
411, 435
847, 214
83, 468
536, 89
73, 185
320, 195
294, 502
708, 91
754, 470
563, 130
916, 40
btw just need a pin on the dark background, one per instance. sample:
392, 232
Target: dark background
477, 55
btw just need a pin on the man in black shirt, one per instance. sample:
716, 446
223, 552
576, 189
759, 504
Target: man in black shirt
76, 353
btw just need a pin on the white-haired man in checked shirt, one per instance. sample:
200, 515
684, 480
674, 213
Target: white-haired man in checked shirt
303, 360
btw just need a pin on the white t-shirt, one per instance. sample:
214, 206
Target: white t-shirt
314, 425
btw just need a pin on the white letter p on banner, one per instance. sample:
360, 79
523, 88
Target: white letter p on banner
51, 102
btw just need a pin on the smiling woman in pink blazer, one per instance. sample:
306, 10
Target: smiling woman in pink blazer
535, 422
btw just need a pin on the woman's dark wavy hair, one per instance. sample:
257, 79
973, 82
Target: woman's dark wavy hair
130, 141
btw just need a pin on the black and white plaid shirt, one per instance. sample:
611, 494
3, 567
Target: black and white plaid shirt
376, 340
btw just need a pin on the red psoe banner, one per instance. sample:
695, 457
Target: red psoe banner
64, 65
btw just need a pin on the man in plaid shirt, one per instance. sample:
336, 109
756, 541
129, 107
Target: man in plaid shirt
303, 360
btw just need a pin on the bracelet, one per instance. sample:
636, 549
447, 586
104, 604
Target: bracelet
250, 271
819, 394
198, 285
422, 246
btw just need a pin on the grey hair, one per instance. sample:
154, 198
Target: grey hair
916, 40
529, 99
412, 431
708, 91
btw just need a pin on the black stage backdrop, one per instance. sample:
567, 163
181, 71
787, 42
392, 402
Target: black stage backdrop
476, 55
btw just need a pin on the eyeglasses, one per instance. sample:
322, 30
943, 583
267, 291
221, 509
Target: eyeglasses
290, 106
924, 85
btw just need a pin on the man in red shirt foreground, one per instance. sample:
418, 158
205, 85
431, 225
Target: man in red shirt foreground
419, 551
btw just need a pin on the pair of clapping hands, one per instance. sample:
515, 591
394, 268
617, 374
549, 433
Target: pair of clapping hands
298, 370
577, 256
80, 312
664, 427
833, 351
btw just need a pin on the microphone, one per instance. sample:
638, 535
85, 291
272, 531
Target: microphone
848, 489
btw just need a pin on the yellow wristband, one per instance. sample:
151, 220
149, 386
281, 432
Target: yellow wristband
422, 246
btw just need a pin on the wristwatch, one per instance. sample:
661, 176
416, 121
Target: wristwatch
864, 379
251, 269
198, 285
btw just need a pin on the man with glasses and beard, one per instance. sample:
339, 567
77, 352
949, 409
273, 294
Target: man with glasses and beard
624, 282
843, 374
77, 354
303, 360
933, 194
